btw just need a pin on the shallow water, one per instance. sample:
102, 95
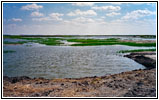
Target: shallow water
66, 61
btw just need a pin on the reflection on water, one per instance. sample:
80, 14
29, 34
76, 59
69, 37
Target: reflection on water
66, 61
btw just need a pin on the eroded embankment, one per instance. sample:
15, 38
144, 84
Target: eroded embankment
137, 83
148, 59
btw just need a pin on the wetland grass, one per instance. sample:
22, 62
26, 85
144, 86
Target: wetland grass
8, 51
111, 41
46, 41
80, 42
137, 50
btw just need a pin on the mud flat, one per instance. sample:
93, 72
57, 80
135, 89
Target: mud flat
137, 83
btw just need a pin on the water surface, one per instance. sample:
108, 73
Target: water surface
66, 61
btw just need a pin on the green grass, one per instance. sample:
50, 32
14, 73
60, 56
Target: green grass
92, 40
46, 41
137, 50
8, 51
12, 36
111, 41
138, 44
50, 41
80, 42
117, 43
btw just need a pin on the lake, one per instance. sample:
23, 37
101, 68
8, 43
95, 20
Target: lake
37, 60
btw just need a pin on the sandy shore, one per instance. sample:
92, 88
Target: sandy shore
137, 83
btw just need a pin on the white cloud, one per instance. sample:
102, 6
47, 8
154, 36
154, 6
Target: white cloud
56, 16
82, 13
16, 19
83, 4
110, 28
99, 20
83, 20
51, 17
31, 7
109, 8
37, 14
137, 14
41, 19
103, 17
112, 14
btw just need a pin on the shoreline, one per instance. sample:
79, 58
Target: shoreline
136, 83
148, 59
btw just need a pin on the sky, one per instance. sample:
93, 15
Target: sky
80, 18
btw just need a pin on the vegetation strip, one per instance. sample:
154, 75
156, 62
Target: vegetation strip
110, 41
80, 42
137, 50
46, 41
8, 51
117, 43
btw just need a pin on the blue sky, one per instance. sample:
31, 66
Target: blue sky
81, 18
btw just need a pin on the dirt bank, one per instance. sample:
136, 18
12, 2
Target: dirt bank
137, 83
148, 59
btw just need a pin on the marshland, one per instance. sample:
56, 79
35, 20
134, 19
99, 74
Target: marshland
79, 49
46, 58
71, 56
